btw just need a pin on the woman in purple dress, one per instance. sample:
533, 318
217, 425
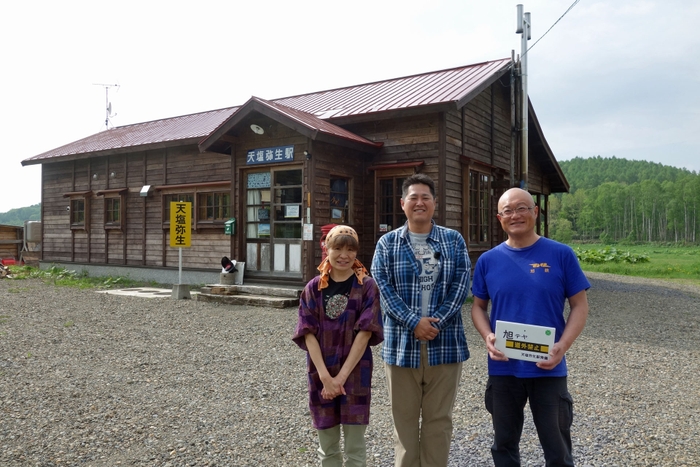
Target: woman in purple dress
339, 318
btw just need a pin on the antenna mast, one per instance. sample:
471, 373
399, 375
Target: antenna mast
108, 105
523, 28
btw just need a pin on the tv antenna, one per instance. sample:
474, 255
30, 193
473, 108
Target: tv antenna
108, 105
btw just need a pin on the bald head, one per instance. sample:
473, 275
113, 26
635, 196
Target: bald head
514, 196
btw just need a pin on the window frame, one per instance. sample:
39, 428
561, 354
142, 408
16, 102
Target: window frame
258, 200
479, 214
109, 222
346, 210
196, 189
82, 223
167, 198
394, 172
286, 198
75, 197
397, 214
201, 207
110, 196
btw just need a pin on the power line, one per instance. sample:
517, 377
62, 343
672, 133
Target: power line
550, 28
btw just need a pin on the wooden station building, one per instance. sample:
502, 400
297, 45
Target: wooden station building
285, 168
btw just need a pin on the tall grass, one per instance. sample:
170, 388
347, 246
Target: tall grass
676, 263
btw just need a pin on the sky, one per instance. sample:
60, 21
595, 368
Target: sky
611, 78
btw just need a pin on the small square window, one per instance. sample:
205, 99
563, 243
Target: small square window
214, 206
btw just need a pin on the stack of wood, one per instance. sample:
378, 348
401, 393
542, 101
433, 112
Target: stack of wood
4, 271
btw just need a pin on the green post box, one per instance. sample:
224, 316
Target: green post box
230, 226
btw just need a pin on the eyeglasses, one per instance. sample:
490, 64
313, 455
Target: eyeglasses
506, 213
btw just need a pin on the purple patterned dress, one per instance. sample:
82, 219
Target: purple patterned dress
335, 329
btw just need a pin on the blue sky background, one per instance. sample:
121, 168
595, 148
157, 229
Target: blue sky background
612, 78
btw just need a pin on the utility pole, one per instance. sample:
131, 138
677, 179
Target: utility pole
523, 29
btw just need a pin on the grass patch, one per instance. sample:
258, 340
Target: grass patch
69, 278
656, 261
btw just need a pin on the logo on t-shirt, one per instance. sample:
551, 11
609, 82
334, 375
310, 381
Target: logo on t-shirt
536, 266
426, 258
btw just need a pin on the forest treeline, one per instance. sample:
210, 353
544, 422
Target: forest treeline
610, 200
19, 215
620, 200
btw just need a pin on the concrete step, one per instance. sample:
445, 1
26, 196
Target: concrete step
248, 299
248, 289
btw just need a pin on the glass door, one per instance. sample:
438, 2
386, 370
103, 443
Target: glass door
273, 223
287, 221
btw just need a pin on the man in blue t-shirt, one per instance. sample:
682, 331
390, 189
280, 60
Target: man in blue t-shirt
528, 279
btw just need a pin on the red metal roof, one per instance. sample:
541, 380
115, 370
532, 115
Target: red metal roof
317, 124
438, 87
194, 126
310, 124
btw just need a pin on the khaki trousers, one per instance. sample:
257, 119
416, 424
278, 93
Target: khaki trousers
421, 404
329, 451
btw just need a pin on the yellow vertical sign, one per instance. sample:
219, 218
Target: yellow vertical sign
180, 224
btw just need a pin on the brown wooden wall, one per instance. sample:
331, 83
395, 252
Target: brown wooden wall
329, 161
95, 244
10, 241
479, 137
406, 139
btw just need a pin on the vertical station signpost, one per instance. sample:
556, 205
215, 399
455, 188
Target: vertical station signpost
180, 237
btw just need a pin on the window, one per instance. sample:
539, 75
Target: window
77, 213
214, 206
210, 201
114, 207
286, 203
79, 209
339, 201
258, 205
175, 197
391, 216
274, 204
479, 207
113, 212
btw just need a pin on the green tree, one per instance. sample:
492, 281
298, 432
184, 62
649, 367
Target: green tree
19, 215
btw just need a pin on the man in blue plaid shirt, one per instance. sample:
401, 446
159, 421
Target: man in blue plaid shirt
422, 270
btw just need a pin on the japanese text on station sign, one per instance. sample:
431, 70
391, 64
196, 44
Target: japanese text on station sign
270, 155
180, 224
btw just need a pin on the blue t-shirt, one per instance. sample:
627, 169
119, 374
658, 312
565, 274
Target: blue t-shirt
529, 285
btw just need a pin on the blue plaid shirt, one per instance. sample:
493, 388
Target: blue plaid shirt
396, 271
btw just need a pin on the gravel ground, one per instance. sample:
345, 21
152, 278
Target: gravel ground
100, 380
